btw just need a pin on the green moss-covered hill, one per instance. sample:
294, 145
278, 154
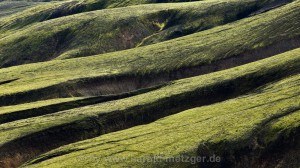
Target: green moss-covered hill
148, 83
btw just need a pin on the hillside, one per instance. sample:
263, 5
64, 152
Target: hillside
109, 30
109, 83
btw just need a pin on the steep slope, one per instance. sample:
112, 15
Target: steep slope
220, 48
24, 139
56, 9
242, 132
38, 108
84, 34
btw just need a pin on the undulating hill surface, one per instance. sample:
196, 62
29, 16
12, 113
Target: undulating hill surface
257, 123
150, 83
109, 30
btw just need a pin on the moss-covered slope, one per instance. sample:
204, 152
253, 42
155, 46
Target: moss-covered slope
111, 30
253, 123
150, 83
50, 131
219, 48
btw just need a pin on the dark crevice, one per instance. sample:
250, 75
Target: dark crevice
237, 60
128, 83
8, 81
271, 6
282, 153
137, 115
28, 113
177, 25
23, 149
253, 152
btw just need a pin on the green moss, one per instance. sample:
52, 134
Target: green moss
282, 127
55, 9
221, 127
194, 50
231, 122
20, 107
80, 35
171, 95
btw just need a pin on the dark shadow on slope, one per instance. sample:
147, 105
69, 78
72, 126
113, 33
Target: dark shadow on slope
49, 109
275, 4
23, 149
284, 151
142, 31
178, 24
123, 84
7, 81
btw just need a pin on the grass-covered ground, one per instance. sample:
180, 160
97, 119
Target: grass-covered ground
253, 122
215, 49
50, 131
109, 30
11, 7
110, 83
56, 9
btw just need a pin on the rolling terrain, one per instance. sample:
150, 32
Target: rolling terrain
110, 83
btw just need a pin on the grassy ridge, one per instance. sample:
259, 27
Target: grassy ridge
84, 34
202, 48
109, 116
9, 109
264, 116
43, 107
57, 9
